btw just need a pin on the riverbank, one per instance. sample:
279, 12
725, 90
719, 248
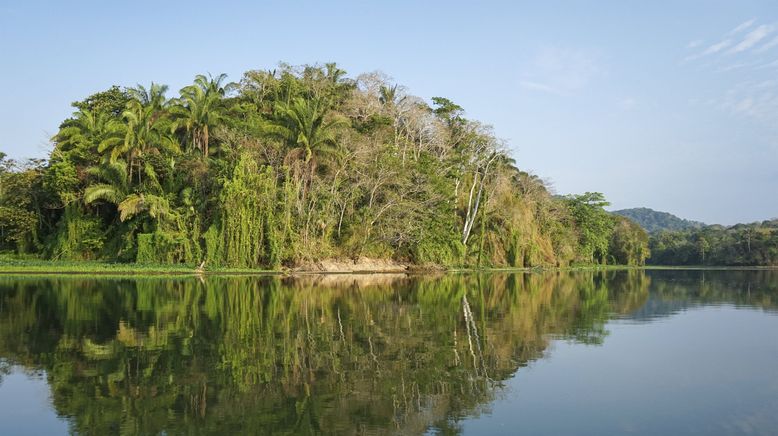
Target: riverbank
12, 265
19, 265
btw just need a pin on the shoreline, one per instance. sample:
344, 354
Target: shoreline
131, 269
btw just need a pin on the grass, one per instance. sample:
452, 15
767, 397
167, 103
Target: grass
10, 264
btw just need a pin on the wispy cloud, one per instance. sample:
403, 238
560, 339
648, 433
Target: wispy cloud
715, 48
733, 42
741, 54
752, 38
752, 99
733, 67
559, 71
741, 27
767, 46
711, 49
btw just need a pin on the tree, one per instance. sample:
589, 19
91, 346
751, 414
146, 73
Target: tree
448, 110
6, 165
82, 136
474, 155
111, 101
143, 129
116, 190
593, 223
201, 108
114, 187
629, 243
304, 126
19, 204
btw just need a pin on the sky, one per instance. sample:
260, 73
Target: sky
671, 105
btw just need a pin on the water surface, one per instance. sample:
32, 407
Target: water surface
656, 352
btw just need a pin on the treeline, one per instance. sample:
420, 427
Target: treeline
753, 244
290, 166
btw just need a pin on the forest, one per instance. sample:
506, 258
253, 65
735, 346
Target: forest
289, 166
754, 244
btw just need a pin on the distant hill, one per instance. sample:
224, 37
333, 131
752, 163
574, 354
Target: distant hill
654, 221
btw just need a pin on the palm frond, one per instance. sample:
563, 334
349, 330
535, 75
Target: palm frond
131, 206
101, 191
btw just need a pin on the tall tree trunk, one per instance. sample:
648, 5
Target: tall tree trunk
205, 141
472, 206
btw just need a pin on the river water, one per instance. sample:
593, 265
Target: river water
592, 353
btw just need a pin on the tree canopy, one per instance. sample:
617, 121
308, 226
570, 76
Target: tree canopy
292, 166
738, 245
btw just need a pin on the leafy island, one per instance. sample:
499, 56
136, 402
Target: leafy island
296, 166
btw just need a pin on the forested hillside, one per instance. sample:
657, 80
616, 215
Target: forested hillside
290, 166
654, 221
738, 245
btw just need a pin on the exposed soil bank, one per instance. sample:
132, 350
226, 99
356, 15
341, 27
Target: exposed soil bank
360, 265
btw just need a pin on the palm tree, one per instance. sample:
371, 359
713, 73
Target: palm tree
84, 133
303, 125
114, 187
142, 129
115, 190
156, 206
388, 95
131, 138
201, 108
153, 97
333, 73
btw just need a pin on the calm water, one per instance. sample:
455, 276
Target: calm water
657, 352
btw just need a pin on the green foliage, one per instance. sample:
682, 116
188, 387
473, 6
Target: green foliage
20, 200
292, 167
303, 126
629, 243
448, 110
162, 247
17, 227
61, 178
200, 110
78, 236
110, 101
594, 225
247, 235
147, 252
738, 245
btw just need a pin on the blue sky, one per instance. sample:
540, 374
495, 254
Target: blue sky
665, 104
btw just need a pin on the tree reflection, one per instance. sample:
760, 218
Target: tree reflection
333, 354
